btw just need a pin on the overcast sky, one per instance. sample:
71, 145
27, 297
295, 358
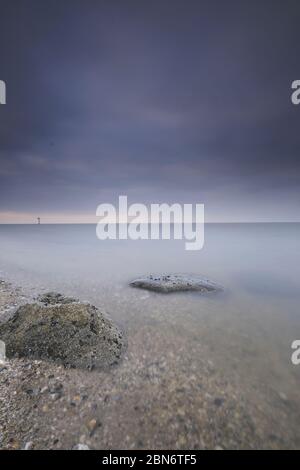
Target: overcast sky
162, 100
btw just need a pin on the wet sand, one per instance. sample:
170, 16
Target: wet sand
175, 388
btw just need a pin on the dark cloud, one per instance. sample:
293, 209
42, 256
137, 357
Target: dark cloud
163, 99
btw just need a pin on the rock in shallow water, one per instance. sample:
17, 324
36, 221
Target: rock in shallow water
73, 334
176, 283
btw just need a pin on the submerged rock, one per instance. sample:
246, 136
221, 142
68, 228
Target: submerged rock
73, 334
176, 283
53, 298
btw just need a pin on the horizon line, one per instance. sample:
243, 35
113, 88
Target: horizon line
172, 223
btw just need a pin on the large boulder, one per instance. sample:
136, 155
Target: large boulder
73, 334
175, 283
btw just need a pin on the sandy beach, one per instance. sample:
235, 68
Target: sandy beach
165, 393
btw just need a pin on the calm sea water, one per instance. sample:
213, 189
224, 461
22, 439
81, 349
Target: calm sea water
249, 328
261, 261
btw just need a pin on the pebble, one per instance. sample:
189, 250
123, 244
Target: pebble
2, 353
218, 402
92, 425
28, 445
81, 447
283, 396
55, 396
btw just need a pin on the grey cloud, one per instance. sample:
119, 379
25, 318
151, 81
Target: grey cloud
147, 98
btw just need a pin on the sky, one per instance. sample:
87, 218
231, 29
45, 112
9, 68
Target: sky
163, 100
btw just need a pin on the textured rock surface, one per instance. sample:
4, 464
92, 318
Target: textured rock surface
73, 334
175, 283
53, 298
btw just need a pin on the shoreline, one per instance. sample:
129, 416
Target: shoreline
157, 397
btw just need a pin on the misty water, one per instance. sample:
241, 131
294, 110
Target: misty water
245, 332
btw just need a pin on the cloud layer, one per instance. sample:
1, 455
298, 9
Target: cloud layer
163, 101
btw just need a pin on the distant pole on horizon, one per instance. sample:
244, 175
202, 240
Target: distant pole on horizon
39, 220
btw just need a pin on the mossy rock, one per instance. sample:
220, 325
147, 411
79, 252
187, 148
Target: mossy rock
53, 298
73, 334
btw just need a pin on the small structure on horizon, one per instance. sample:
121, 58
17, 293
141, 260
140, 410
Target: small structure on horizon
39, 221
